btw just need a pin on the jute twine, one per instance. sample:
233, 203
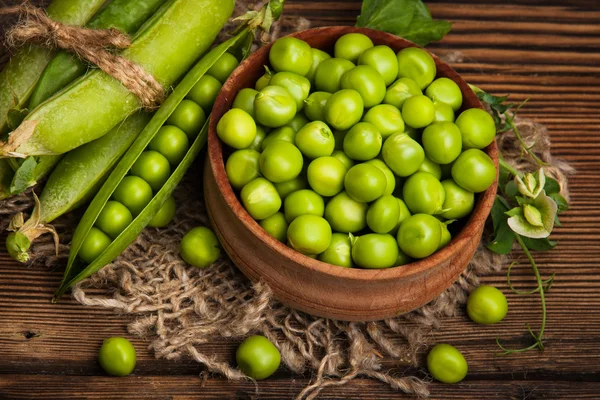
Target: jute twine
178, 308
91, 45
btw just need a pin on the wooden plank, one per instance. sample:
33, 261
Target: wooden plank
13, 387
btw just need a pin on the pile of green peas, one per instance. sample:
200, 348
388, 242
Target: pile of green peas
154, 166
357, 159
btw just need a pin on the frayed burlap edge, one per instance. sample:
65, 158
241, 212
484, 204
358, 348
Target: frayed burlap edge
179, 308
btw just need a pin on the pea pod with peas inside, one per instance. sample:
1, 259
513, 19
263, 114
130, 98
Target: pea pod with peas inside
96, 247
166, 46
124, 15
22, 72
75, 178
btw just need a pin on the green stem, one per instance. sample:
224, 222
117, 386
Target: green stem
540, 284
524, 146
512, 170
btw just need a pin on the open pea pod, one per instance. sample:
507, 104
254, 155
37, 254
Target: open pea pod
240, 45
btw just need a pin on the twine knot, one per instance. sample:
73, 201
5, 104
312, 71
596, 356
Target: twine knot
92, 45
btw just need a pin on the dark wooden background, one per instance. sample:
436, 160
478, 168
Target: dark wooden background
545, 50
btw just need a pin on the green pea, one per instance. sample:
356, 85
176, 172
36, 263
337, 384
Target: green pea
242, 167
263, 81
93, 245
276, 225
386, 118
418, 111
351, 46
297, 122
423, 193
416, 64
134, 193
340, 155
117, 356
445, 90
458, 202
287, 187
477, 128
400, 91
189, 117
315, 105
344, 109
389, 175
258, 139
280, 161
291, 54
326, 175
419, 235
285, 133
431, 168
309, 234
171, 142
303, 202
402, 154
205, 92
403, 214
339, 251
328, 75
315, 139
200, 247
223, 67
445, 237
152, 167
446, 364
113, 219
443, 112
236, 128
165, 215
442, 142
383, 59
257, 357
274, 106
346, 214
375, 250
317, 57
244, 100
474, 170
365, 182
297, 86
487, 305
260, 198
366, 81
363, 142
383, 214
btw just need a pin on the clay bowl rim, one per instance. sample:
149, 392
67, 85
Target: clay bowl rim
476, 220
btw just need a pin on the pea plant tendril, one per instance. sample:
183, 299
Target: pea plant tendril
526, 209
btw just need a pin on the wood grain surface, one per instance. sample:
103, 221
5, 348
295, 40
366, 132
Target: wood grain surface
545, 50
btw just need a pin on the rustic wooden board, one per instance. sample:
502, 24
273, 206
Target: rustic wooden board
545, 50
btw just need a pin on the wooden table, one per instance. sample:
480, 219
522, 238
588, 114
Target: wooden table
545, 50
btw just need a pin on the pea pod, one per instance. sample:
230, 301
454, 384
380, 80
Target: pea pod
75, 178
124, 15
239, 44
22, 72
166, 46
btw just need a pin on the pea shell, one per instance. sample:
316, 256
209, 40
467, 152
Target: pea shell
240, 41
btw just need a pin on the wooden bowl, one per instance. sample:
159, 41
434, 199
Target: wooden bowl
310, 285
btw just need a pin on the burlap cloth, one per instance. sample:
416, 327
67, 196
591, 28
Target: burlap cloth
177, 308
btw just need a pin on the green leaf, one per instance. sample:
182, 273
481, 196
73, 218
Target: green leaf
386, 15
498, 214
510, 190
409, 19
503, 242
423, 32
24, 176
560, 201
552, 186
539, 244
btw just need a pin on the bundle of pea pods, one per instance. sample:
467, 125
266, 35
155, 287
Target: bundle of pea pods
88, 134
